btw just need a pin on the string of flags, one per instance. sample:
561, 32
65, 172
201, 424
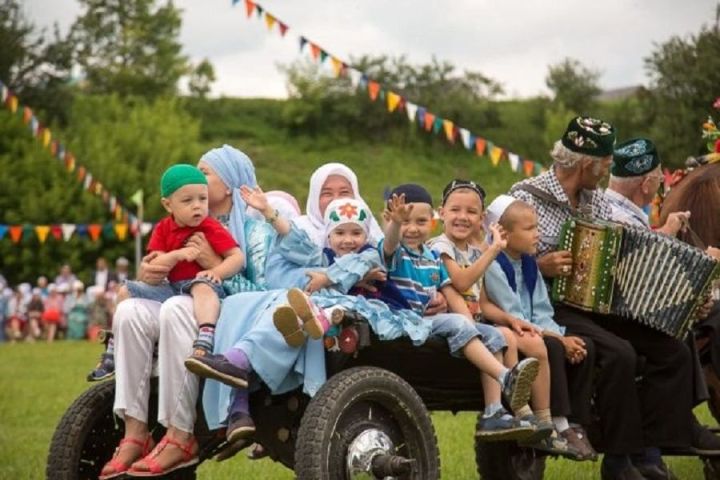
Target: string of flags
396, 102
42, 134
65, 231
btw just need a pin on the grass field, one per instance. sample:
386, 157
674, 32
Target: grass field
39, 381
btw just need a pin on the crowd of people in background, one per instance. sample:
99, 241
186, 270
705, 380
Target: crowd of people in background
64, 308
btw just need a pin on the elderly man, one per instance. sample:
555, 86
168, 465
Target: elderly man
637, 419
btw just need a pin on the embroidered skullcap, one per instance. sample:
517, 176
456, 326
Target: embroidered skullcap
589, 136
458, 184
634, 158
178, 176
495, 210
346, 210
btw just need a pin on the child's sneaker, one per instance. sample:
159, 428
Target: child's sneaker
240, 427
104, 370
516, 387
502, 426
288, 324
314, 320
219, 368
554, 445
542, 430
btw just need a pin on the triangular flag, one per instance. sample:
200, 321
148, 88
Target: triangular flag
81, 230
3, 93
429, 121
16, 232
480, 145
411, 110
449, 127
88, 181
137, 197
337, 65
27, 115
121, 230
118, 213
283, 28
355, 76
495, 155
46, 137
60, 152
269, 21
3, 228
363, 81
437, 125
392, 101
303, 41
13, 105
53, 147
42, 232
146, 228
259, 10
539, 168
94, 230
81, 173
108, 231
69, 161
421, 112
373, 89
315, 51
528, 167
323, 55
465, 137
56, 232
249, 7
67, 230
514, 159
34, 125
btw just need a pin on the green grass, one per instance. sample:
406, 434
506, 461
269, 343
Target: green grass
39, 381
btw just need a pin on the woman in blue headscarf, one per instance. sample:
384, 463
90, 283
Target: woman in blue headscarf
139, 323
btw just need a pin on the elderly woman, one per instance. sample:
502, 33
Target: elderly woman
138, 324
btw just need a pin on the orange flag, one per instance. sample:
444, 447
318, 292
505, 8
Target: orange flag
480, 145
315, 51
495, 155
27, 115
393, 99
81, 173
94, 230
337, 65
269, 20
121, 230
373, 89
528, 167
249, 7
69, 161
449, 127
16, 233
42, 232
429, 121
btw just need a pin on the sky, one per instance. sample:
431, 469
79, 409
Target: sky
511, 41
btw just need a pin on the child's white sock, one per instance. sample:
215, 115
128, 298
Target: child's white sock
524, 411
503, 375
491, 409
561, 424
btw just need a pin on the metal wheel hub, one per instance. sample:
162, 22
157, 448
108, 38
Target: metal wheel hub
363, 449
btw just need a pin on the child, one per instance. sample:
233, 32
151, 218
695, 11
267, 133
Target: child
419, 274
514, 284
184, 193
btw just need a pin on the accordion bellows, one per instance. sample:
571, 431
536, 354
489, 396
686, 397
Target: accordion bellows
634, 273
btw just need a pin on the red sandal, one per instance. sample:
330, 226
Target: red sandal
119, 468
152, 468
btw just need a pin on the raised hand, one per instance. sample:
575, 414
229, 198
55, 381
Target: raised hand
499, 239
398, 211
255, 197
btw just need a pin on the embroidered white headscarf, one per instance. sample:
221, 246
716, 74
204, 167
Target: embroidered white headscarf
312, 222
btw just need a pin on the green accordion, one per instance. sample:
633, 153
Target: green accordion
634, 273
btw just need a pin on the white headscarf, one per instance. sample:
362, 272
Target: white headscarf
312, 222
494, 211
347, 210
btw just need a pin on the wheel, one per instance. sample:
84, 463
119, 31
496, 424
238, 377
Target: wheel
366, 422
507, 461
86, 437
711, 468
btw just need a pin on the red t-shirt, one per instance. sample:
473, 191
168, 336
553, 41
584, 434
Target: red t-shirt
168, 236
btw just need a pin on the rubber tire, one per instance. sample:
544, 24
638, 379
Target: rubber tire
341, 410
507, 461
86, 437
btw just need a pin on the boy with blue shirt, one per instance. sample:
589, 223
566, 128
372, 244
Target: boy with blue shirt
420, 275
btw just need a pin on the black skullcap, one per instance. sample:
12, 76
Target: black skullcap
457, 184
589, 136
413, 193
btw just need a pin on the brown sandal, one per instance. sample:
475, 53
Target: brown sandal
119, 468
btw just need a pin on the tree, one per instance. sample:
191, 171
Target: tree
129, 47
202, 76
684, 78
573, 85
33, 68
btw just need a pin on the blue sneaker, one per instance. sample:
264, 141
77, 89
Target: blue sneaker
219, 368
104, 370
502, 426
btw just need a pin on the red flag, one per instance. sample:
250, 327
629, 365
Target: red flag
16, 232
429, 121
56, 232
315, 51
283, 28
250, 7
480, 146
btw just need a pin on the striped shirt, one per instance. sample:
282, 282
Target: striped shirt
418, 275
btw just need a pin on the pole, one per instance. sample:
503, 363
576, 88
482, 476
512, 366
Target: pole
138, 237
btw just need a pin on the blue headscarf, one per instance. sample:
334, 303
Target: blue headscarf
235, 169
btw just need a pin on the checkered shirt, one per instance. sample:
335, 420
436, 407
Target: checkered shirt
552, 217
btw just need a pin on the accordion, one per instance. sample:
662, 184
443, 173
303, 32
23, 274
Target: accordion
634, 273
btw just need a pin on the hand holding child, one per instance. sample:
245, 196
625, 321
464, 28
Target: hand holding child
188, 254
318, 280
376, 274
255, 197
210, 275
398, 211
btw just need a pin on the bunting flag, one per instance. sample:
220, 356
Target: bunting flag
44, 136
65, 231
416, 114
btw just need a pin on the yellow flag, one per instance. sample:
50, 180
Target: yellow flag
42, 232
393, 99
46, 136
449, 127
269, 20
13, 103
495, 155
121, 230
337, 65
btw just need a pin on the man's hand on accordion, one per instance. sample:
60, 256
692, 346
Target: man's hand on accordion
704, 310
555, 264
575, 351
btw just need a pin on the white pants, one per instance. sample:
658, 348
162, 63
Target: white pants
137, 325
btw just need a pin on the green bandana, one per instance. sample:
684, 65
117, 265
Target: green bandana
634, 158
178, 176
589, 136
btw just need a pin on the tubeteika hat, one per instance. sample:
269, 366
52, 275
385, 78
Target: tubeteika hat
457, 184
634, 158
178, 176
413, 193
589, 136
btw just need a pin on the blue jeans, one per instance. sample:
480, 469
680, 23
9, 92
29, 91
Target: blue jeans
165, 290
458, 331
